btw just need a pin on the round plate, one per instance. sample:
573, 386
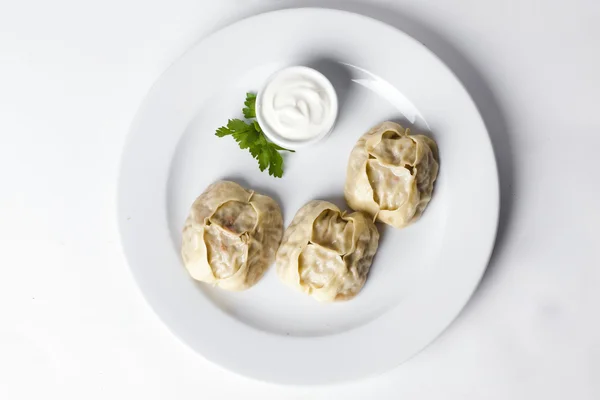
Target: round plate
421, 277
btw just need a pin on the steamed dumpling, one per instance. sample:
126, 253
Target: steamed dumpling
326, 253
230, 236
391, 173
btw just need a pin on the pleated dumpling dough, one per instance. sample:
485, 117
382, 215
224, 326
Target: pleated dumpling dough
230, 236
326, 253
391, 174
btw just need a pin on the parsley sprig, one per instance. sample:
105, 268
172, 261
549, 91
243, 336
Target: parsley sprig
250, 136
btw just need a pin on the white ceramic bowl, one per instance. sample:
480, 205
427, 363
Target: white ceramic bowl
296, 144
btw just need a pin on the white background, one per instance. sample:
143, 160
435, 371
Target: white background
74, 325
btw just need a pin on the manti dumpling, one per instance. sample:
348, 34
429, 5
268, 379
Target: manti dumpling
326, 253
230, 236
391, 173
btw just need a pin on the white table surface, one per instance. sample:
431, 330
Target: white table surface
73, 325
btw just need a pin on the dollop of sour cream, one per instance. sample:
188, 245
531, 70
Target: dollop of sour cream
297, 105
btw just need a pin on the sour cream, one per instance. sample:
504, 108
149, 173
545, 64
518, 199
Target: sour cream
297, 106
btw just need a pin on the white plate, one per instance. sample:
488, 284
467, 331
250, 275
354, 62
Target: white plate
422, 276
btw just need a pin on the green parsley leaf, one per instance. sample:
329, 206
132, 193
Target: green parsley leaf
238, 126
250, 136
250, 103
223, 131
255, 149
248, 139
257, 126
264, 158
275, 163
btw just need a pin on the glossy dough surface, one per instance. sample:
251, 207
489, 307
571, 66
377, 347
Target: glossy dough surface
391, 174
231, 236
325, 253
